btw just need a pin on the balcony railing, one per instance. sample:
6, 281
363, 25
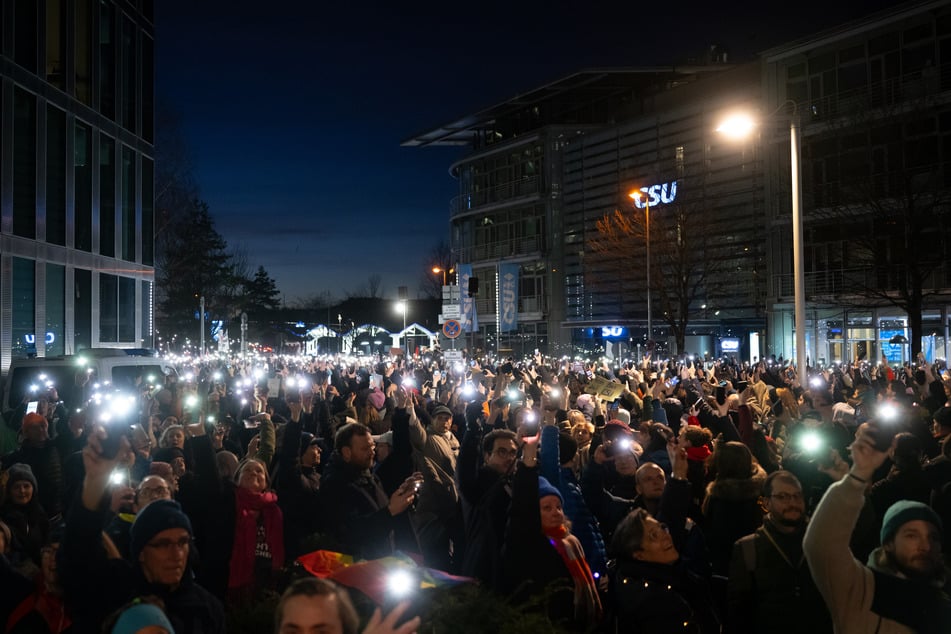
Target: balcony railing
534, 304
834, 283
522, 188
502, 249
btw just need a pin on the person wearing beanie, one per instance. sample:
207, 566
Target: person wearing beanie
903, 588
95, 585
23, 513
557, 456
40, 454
141, 616
540, 553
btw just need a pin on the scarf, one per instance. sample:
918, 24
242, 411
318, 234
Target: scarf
587, 603
249, 506
698, 454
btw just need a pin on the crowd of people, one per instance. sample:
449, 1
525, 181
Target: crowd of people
679, 495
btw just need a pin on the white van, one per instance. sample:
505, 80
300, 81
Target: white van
66, 373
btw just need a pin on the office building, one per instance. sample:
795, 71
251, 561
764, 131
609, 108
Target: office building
76, 176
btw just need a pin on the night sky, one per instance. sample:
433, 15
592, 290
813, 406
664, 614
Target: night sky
294, 111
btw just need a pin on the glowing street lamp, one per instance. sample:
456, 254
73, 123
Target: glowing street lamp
437, 270
635, 196
739, 126
401, 308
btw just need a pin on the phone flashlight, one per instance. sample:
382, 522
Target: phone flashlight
555, 392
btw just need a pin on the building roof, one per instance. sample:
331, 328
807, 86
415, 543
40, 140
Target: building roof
585, 85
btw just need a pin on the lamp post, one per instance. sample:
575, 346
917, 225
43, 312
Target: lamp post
437, 270
401, 308
740, 126
635, 196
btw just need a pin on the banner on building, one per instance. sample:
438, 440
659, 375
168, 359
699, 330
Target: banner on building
468, 315
508, 297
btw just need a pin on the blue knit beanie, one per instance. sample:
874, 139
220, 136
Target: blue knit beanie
906, 511
545, 489
156, 517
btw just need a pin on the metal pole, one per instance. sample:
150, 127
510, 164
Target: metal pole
800, 291
202, 317
650, 325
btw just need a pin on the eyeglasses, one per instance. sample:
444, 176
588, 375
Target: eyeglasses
166, 544
787, 497
153, 492
506, 453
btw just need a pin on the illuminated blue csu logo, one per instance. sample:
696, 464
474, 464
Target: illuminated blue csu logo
656, 195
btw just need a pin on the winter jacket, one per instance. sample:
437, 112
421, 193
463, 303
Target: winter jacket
584, 525
486, 497
44, 461
767, 594
95, 586
358, 516
731, 510
298, 492
863, 600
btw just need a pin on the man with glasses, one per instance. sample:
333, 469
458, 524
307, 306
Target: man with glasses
485, 488
159, 544
770, 587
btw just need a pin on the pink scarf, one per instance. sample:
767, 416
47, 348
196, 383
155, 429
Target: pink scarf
248, 506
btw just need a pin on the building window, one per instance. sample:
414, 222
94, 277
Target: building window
82, 182
82, 50
82, 309
54, 42
24, 164
148, 214
147, 314
126, 309
55, 309
25, 42
129, 61
108, 308
107, 197
148, 89
107, 59
55, 176
128, 205
24, 307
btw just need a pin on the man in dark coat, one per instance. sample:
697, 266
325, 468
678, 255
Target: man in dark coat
486, 493
361, 518
160, 541
770, 587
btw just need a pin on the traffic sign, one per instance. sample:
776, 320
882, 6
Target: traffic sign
452, 328
451, 311
452, 355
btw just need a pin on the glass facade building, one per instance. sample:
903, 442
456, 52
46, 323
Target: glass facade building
76, 176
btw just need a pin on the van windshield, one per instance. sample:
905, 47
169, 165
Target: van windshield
29, 383
127, 376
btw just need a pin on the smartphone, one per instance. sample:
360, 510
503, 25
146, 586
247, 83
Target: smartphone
31, 407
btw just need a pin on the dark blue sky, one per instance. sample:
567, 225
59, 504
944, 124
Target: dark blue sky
294, 111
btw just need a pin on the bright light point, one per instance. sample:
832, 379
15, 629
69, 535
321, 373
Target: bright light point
191, 400
290, 381
217, 376
105, 417
624, 443
211, 419
530, 417
244, 401
189, 376
811, 442
737, 126
887, 411
150, 378
815, 382
555, 393
117, 477
34, 388
399, 583
468, 390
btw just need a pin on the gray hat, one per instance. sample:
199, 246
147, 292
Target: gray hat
442, 410
21, 471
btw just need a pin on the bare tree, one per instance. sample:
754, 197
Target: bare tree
684, 263
374, 285
439, 257
889, 209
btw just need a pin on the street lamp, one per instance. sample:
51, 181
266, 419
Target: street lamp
741, 126
438, 270
635, 196
401, 308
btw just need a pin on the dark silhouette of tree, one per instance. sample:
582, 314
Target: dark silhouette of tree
260, 293
430, 284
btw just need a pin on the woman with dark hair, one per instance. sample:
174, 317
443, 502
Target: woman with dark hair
28, 522
731, 509
651, 588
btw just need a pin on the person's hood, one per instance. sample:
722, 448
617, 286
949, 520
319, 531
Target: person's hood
739, 489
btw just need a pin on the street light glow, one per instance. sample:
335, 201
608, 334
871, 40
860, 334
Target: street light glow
737, 126
401, 307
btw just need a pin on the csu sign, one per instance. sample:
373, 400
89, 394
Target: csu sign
654, 195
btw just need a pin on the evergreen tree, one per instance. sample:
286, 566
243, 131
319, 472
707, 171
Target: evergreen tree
260, 293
